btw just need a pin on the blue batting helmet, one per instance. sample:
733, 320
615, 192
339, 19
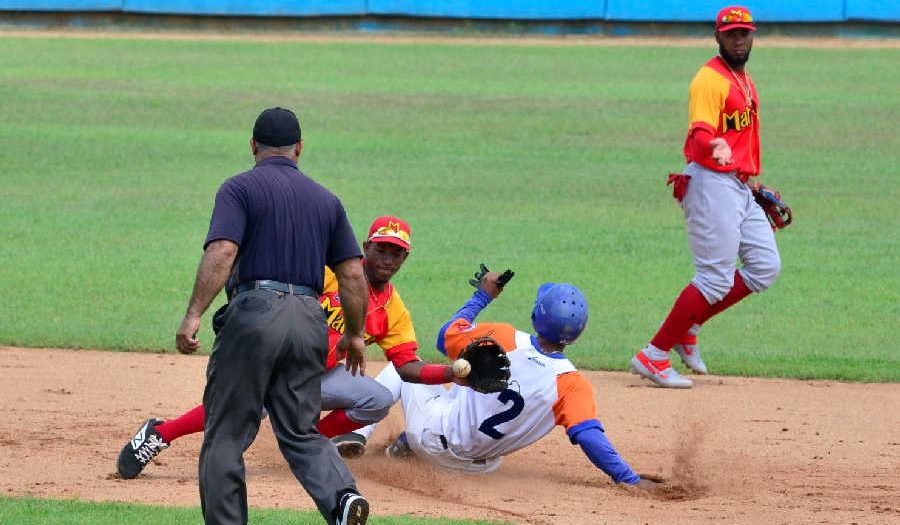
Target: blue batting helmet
560, 312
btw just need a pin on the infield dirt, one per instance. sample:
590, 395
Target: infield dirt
734, 450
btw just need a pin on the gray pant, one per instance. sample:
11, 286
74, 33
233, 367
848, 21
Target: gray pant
364, 400
724, 223
270, 351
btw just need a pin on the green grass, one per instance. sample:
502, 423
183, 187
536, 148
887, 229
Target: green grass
550, 161
32, 511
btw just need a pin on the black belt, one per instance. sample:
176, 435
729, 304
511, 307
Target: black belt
275, 286
447, 447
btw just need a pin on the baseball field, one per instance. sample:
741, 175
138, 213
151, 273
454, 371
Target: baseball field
547, 157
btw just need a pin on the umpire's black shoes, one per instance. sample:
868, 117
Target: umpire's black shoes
143, 447
352, 509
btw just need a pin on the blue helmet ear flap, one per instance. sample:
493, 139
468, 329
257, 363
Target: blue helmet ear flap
560, 312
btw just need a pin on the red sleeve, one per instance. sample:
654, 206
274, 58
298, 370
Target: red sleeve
401, 354
698, 142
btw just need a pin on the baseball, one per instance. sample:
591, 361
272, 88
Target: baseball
461, 368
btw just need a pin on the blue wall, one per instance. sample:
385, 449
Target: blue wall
60, 5
705, 10
612, 10
878, 10
514, 9
247, 7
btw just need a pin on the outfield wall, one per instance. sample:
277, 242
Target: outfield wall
770, 11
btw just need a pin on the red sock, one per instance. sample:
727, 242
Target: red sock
737, 292
688, 309
337, 423
190, 422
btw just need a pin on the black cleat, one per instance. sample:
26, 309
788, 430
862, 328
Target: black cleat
350, 445
144, 446
353, 509
399, 449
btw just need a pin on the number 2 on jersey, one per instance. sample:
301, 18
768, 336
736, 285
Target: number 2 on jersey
488, 425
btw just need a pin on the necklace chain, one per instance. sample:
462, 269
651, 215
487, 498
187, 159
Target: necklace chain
745, 88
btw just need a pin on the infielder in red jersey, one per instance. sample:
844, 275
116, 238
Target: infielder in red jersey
354, 400
724, 223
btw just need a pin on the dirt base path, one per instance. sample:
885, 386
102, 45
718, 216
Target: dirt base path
737, 450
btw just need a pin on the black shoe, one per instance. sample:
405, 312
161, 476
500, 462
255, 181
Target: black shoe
350, 445
143, 447
399, 449
352, 509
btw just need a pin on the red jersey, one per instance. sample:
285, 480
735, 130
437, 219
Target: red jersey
725, 103
388, 323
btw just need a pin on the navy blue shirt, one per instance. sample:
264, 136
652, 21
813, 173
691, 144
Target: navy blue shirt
288, 226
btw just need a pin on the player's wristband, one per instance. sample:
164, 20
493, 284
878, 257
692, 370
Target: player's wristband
433, 374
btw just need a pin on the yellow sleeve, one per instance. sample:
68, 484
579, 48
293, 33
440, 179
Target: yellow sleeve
400, 328
331, 282
707, 97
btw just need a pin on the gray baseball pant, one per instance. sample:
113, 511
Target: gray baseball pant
724, 223
270, 351
363, 399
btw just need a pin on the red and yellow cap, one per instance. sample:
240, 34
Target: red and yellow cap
391, 230
735, 17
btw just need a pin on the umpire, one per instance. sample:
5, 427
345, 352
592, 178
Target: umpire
272, 232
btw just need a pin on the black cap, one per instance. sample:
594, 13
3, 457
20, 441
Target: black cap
277, 127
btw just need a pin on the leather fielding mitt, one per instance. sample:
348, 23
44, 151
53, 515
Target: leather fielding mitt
778, 213
490, 365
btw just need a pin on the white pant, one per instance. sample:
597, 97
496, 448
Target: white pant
724, 223
424, 407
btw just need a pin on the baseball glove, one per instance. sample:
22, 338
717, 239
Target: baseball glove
501, 281
490, 366
778, 213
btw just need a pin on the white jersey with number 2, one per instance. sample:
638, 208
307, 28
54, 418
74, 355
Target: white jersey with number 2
545, 390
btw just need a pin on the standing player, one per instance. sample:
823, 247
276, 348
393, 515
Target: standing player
354, 400
724, 222
462, 430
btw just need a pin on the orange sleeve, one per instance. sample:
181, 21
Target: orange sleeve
461, 332
575, 402
708, 92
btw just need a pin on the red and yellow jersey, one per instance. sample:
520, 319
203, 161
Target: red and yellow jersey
545, 390
725, 103
388, 323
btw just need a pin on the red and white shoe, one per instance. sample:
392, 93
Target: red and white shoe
689, 351
660, 372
